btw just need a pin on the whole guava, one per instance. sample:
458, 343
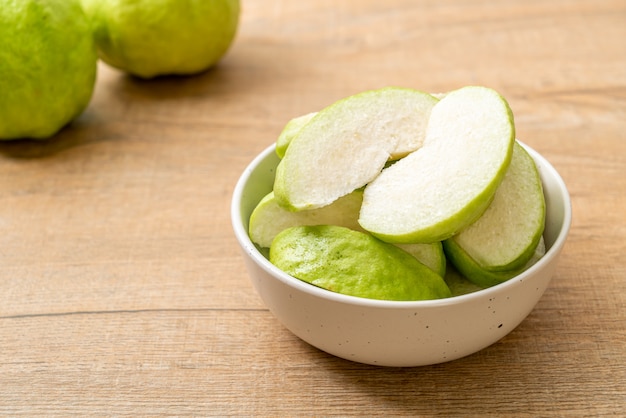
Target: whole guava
48, 65
149, 38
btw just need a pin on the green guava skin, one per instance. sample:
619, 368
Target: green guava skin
150, 38
354, 263
48, 65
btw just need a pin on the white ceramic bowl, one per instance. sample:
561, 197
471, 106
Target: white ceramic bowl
391, 333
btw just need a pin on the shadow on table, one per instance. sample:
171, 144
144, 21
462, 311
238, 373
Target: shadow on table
121, 91
70, 136
492, 379
208, 83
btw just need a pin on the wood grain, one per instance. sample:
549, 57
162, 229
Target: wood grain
122, 289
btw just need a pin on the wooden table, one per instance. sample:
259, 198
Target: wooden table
123, 291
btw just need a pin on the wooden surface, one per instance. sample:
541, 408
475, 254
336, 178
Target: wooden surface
122, 289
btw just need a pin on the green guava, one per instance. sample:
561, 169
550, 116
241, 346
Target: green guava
47, 66
149, 38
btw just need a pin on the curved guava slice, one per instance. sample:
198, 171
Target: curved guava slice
506, 236
354, 263
346, 145
445, 185
269, 218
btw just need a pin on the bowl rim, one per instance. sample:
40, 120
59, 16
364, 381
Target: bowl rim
251, 249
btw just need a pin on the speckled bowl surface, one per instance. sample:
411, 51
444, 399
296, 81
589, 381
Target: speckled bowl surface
390, 333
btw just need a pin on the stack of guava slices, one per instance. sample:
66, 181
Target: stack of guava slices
397, 194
